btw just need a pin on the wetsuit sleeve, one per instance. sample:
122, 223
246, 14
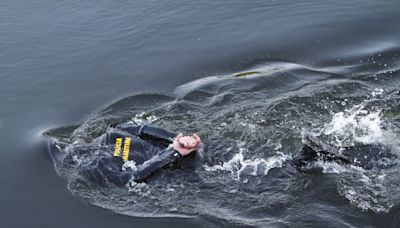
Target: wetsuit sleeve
110, 169
149, 131
162, 159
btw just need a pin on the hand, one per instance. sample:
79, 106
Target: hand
186, 144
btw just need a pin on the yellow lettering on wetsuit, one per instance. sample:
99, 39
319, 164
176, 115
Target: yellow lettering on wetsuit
118, 143
127, 145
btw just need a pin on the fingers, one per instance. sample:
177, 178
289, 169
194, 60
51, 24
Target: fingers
180, 135
187, 142
197, 137
198, 140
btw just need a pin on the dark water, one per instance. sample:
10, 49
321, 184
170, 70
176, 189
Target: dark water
318, 64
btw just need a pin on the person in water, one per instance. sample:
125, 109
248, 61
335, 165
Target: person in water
150, 148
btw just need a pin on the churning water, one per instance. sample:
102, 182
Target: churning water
251, 77
253, 129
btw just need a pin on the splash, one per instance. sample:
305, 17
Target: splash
143, 118
357, 125
238, 165
369, 190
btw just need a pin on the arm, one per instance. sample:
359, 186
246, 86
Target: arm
181, 146
162, 159
109, 169
149, 131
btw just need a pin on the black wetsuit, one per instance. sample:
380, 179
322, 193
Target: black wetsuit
148, 146
367, 156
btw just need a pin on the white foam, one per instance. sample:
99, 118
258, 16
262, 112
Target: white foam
363, 123
255, 167
331, 167
355, 125
364, 189
377, 92
129, 165
368, 192
141, 189
143, 118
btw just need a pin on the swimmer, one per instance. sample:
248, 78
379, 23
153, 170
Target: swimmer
150, 148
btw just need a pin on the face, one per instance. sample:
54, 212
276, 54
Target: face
190, 141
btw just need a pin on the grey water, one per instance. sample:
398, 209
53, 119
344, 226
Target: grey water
86, 63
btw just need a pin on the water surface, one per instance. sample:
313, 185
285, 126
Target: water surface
59, 63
